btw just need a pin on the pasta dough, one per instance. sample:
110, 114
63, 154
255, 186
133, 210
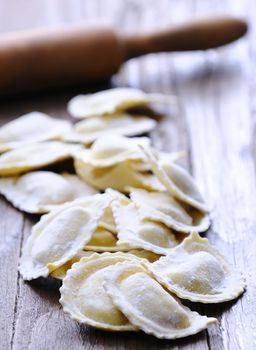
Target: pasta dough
144, 166
112, 149
162, 207
105, 241
89, 130
145, 254
34, 156
113, 101
84, 298
106, 102
148, 306
31, 127
177, 181
60, 235
198, 272
123, 261
61, 271
34, 192
107, 221
119, 177
149, 235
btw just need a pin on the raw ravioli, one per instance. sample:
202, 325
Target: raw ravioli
107, 221
112, 149
119, 177
145, 254
34, 156
167, 157
162, 207
198, 272
89, 130
31, 127
105, 241
61, 271
84, 298
148, 306
177, 181
60, 235
149, 235
35, 192
106, 102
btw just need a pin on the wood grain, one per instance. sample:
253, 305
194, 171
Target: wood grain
214, 122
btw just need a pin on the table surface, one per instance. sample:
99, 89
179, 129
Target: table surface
214, 122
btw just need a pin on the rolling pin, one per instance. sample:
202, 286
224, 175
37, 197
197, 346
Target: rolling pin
49, 58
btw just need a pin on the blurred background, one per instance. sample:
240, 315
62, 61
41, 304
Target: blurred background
197, 78
133, 16
126, 15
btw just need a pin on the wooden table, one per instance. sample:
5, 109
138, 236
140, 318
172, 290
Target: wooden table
214, 123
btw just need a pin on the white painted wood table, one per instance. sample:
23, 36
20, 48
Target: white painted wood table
214, 123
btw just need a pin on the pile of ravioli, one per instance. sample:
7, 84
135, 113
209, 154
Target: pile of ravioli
122, 231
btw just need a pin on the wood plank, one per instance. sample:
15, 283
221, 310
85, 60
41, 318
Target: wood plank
10, 245
39, 306
219, 118
214, 123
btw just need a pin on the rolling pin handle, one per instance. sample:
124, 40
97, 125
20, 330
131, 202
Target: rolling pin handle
198, 35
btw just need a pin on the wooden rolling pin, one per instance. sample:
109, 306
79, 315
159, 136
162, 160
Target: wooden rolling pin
46, 58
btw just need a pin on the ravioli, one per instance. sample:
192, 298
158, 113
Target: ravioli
148, 235
120, 177
60, 235
105, 241
198, 272
145, 254
34, 156
84, 298
112, 149
107, 221
61, 271
148, 306
35, 192
106, 102
144, 166
162, 207
89, 130
31, 127
178, 182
